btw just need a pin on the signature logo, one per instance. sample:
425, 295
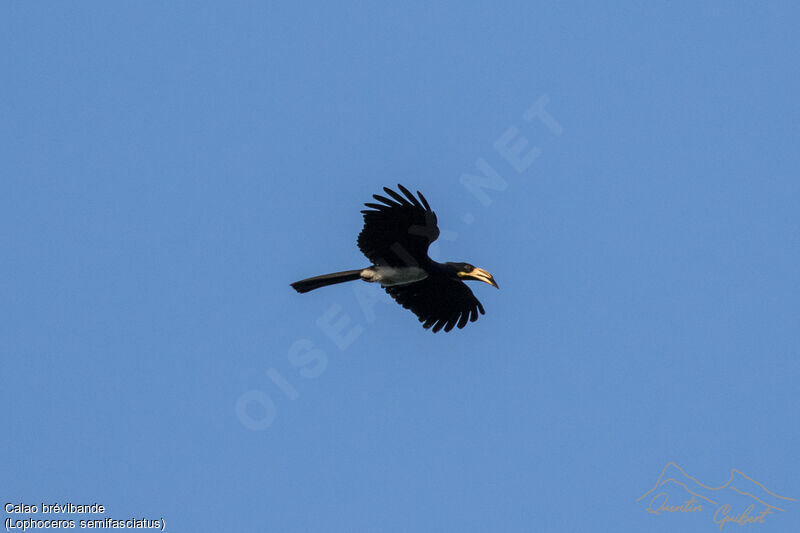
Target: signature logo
740, 501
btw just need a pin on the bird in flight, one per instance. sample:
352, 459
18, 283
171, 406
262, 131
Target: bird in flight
395, 238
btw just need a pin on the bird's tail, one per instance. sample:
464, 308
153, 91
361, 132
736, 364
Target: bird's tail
305, 285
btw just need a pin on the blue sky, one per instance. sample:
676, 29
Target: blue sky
169, 168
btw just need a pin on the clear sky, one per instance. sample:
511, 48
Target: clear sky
168, 168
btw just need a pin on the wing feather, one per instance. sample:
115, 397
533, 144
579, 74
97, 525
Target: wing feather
439, 302
399, 199
424, 201
399, 230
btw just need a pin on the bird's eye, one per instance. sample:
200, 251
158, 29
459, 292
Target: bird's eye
468, 268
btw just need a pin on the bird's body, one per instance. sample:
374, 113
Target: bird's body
389, 276
395, 238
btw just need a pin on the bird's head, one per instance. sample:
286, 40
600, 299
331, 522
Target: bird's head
465, 271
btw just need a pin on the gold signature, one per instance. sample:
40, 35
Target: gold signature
721, 516
659, 503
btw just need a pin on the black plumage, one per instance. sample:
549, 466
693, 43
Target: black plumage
396, 236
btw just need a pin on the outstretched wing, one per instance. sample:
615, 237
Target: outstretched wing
438, 301
398, 231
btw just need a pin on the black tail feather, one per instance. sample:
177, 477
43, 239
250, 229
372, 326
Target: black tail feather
305, 285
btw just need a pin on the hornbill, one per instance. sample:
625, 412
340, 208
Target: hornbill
395, 238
